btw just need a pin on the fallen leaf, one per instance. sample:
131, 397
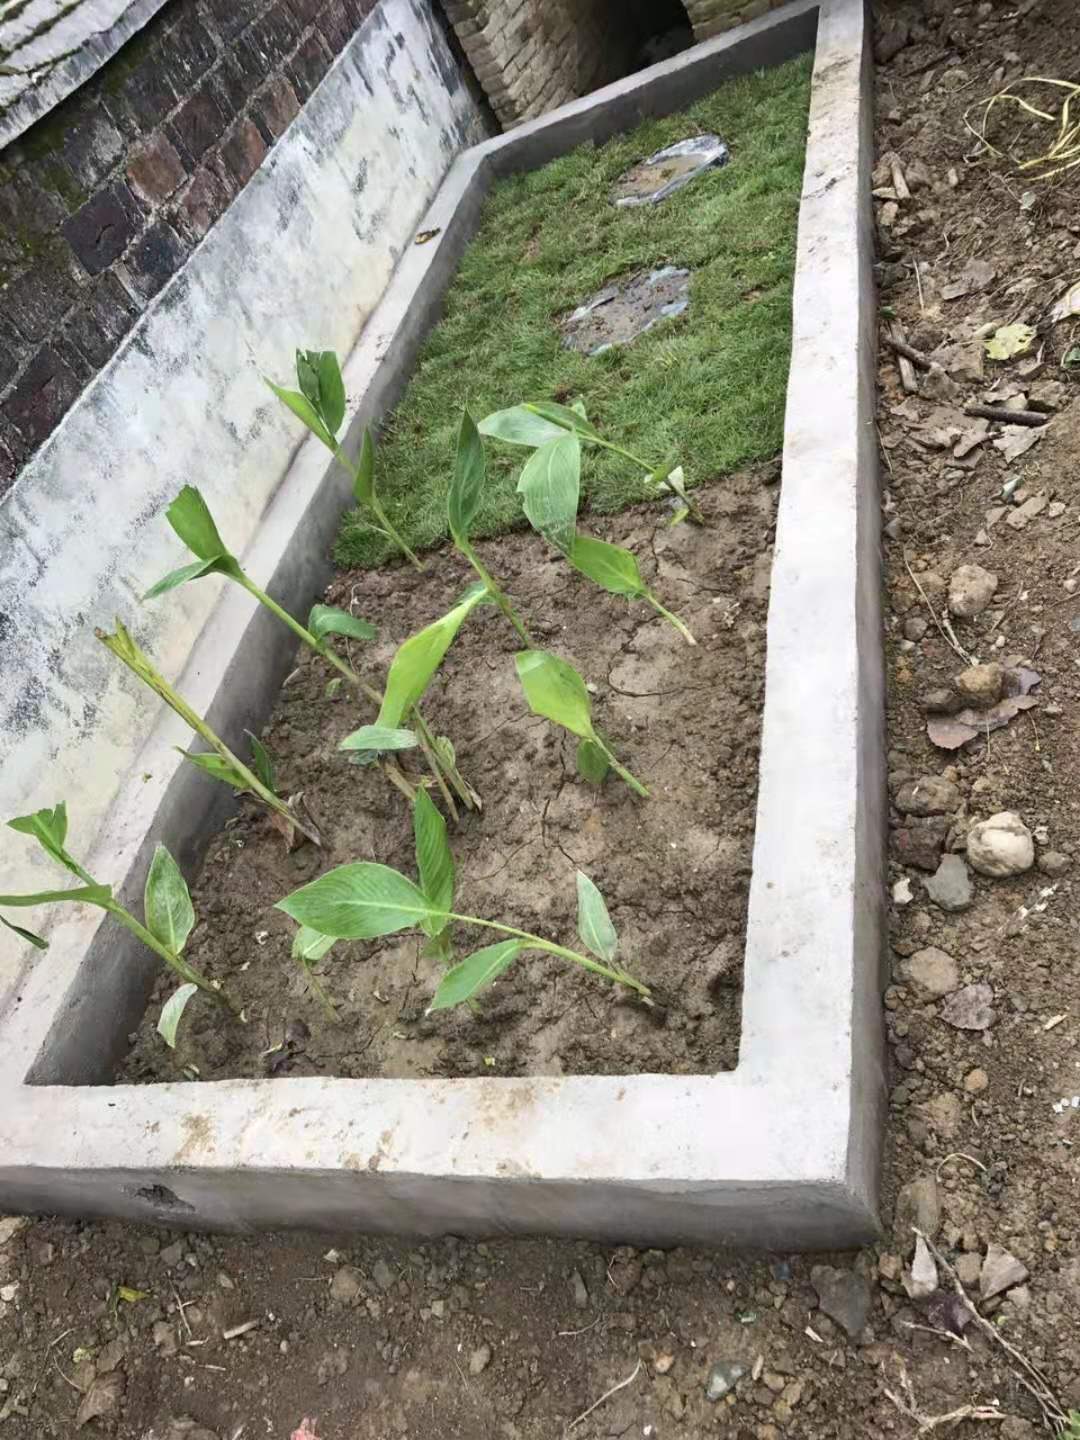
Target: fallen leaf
1009, 340
976, 275
101, 1399
424, 236
130, 1295
1069, 304
1017, 440
949, 732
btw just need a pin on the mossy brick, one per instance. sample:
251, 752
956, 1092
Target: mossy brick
40, 297
198, 124
42, 396
242, 151
154, 257
155, 170
101, 319
99, 232
308, 66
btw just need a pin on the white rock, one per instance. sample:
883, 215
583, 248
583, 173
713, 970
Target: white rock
1000, 846
971, 588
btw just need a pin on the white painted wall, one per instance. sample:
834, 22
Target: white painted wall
300, 258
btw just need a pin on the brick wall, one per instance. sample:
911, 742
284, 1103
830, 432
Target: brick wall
711, 17
102, 200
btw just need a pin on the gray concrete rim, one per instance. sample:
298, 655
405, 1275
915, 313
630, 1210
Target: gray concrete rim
783, 1151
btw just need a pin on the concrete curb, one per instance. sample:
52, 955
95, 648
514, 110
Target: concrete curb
783, 1151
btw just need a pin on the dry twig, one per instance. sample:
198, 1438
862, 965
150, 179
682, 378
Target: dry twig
606, 1396
947, 633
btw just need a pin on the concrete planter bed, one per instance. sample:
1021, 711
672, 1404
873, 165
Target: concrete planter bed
782, 1150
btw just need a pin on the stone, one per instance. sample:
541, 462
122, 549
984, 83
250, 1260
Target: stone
981, 684
937, 385
929, 795
844, 1296
922, 1279
940, 701
915, 627
722, 1378
654, 179
943, 1114
920, 843
346, 1285
1000, 1272
383, 1275
1019, 518
967, 1267
480, 1359
971, 588
1000, 846
581, 1294
1053, 863
970, 1008
931, 972
918, 1207
976, 1081
1014, 1428
950, 885
626, 308
164, 1336
173, 1254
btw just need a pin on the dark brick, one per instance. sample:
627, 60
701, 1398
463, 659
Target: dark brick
335, 24
92, 146
188, 51
42, 397
102, 320
276, 107
9, 465
274, 34
198, 123
155, 170
11, 352
242, 152
231, 86
99, 231
40, 298
305, 10
204, 200
28, 213
155, 257
309, 65
75, 360
148, 93
230, 16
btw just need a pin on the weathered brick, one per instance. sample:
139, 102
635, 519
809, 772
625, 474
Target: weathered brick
230, 16
198, 123
9, 463
153, 258
232, 85
203, 201
276, 107
74, 359
43, 395
308, 66
188, 52
147, 94
42, 295
305, 10
11, 351
92, 146
335, 26
242, 151
101, 320
155, 170
99, 231
359, 10
273, 35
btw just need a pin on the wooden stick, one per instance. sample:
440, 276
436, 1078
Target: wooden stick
1007, 416
917, 358
907, 370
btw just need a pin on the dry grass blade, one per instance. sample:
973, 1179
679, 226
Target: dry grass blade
943, 624
1062, 154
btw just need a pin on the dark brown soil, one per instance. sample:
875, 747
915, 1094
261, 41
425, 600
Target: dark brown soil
674, 869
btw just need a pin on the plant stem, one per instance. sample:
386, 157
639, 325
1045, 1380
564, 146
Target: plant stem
175, 962
468, 795
394, 775
379, 513
691, 505
498, 595
436, 769
537, 942
319, 991
631, 780
671, 618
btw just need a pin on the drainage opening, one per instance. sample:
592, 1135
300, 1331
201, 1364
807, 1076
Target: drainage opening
160, 1196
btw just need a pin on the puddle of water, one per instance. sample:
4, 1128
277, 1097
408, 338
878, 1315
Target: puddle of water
622, 311
654, 179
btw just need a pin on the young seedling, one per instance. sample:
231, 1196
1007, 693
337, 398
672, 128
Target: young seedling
364, 901
320, 404
190, 517
309, 947
222, 764
616, 569
167, 909
537, 422
555, 690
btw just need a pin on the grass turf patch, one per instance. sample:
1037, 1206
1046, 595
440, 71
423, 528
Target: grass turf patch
706, 387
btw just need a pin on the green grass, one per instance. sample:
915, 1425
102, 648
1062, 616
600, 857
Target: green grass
707, 386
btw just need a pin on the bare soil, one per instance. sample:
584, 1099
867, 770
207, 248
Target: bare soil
995, 1163
674, 869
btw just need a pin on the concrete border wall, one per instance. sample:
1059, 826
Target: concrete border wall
783, 1151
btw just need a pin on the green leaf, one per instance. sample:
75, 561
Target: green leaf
379, 738
555, 690
592, 763
1009, 340
309, 946
171, 1013
170, 915
331, 391
364, 479
563, 416
610, 566
49, 829
84, 894
195, 571
434, 859
329, 620
473, 973
578, 407
332, 687
307, 374
24, 934
215, 766
550, 487
519, 426
593, 921
189, 515
359, 902
303, 409
261, 762
467, 485
420, 656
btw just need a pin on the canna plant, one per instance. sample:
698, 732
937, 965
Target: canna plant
221, 763
320, 404
364, 901
168, 914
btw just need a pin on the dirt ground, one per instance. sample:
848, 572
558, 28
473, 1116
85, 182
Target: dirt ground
516, 1339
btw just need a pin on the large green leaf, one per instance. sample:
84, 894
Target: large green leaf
25, 934
420, 656
434, 860
379, 738
167, 905
329, 620
550, 487
473, 973
217, 767
364, 479
611, 566
467, 485
563, 416
49, 829
331, 391
172, 1011
309, 946
593, 921
303, 409
555, 690
189, 515
85, 894
520, 426
359, 902
195, 571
